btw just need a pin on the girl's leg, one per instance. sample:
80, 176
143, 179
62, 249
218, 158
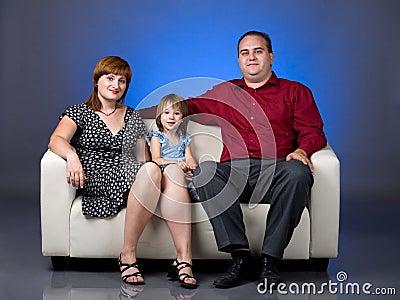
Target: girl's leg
175, 208
142, 202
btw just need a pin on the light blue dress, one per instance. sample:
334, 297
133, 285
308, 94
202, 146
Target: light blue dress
170, 151
175, 152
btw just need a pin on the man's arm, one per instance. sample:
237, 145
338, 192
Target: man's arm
308, 125
148, 112
307, 122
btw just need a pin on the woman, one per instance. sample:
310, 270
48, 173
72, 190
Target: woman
103, 142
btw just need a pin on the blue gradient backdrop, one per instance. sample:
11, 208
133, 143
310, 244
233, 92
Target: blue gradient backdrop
346, 51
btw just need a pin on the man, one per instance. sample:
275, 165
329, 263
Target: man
249, 168
270, 127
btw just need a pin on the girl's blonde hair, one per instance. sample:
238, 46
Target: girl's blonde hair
176, 102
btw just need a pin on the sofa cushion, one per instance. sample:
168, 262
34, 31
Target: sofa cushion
103, 237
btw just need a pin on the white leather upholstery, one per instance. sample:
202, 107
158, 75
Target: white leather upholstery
66, 232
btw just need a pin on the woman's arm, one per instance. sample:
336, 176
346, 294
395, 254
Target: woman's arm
60, 144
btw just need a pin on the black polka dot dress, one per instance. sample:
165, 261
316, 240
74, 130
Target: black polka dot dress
108, 160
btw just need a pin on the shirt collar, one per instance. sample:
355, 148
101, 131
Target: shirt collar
274, 80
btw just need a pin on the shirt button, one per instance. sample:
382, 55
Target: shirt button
252, 118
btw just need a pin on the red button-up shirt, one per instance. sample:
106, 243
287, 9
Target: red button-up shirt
268, 122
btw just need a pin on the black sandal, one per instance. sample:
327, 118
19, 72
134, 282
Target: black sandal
126, 267
173, 274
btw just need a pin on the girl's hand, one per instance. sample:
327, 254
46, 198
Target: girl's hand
183, 166
75, 174
192, 165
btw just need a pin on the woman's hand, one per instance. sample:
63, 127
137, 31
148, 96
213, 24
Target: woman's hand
75, 174
60, 144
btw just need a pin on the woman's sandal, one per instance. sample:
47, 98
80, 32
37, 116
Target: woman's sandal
127, 267
173, 274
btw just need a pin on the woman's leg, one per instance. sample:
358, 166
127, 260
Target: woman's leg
176, 209
142, 202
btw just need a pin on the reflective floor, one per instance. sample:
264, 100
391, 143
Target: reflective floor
367, 263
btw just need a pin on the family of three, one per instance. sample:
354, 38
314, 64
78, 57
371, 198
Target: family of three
105, 144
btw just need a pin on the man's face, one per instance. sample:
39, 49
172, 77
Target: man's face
254, 59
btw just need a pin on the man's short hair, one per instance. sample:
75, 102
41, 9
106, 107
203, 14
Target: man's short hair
265, 36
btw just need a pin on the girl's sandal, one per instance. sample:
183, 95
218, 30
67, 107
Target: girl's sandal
173, 274
127, 267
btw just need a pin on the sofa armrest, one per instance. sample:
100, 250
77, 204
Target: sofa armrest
324, 204
56, 197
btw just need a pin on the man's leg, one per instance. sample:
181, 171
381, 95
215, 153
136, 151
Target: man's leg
288, 195
220, 186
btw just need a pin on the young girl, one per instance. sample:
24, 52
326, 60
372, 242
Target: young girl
170, 149
170, 144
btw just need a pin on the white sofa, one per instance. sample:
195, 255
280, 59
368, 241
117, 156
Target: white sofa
67, 233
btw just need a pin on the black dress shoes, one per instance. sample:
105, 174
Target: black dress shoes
237, 271
269, 276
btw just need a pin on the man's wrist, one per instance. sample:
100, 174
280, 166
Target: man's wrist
301, 152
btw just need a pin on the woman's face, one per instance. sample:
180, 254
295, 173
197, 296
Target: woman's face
111, 87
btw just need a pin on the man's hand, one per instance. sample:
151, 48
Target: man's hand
301, 155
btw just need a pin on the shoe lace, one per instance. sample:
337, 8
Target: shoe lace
270, 267
235, 266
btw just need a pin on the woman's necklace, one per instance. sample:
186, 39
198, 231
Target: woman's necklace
110, 113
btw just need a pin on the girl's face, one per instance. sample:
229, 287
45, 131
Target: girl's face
111, 87
171, 117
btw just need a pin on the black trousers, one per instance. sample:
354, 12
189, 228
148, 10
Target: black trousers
285, 185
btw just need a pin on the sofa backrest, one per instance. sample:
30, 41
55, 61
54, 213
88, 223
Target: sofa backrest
206, 140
